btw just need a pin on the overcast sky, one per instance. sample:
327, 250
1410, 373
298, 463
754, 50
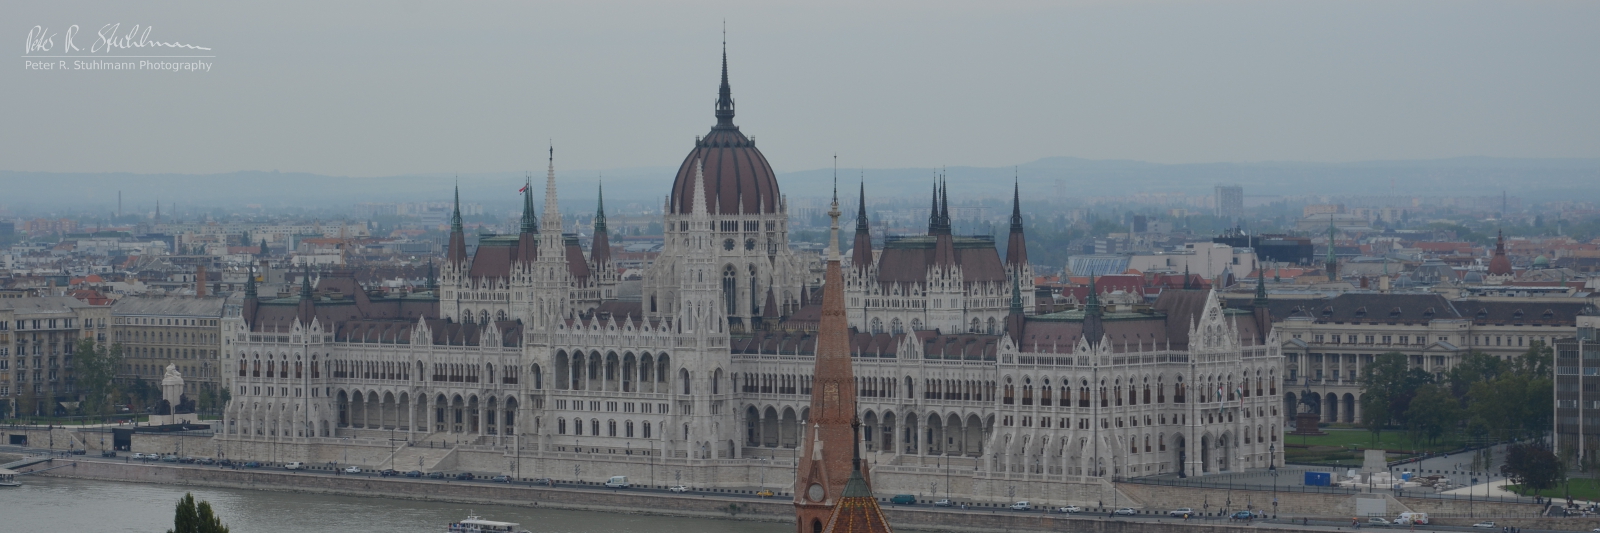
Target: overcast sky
371, 89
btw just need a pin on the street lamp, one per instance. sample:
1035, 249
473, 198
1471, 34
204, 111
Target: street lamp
1272, 466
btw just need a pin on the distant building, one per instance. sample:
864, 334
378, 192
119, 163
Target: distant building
181, 331
37, 338
1230, 201
1271, 247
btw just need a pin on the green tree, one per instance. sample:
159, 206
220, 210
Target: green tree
1532, 467
1387, 385
1433, 412
195, 518
94, 369
1473, 368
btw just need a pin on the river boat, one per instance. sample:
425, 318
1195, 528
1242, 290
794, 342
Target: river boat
476, 524
8, 478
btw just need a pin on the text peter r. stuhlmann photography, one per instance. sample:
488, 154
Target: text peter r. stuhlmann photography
111, 48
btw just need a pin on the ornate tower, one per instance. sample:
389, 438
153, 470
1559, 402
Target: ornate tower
825, 462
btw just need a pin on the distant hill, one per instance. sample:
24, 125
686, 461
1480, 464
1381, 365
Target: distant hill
1531, 179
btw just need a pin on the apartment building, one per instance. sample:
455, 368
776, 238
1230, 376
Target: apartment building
37, 338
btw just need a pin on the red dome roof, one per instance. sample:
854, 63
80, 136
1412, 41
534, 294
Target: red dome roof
738, 178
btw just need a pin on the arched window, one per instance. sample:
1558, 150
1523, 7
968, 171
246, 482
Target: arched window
683, 377
561, 426
877, 326
483, 316
730, 290
754, 302
466, 316
991, 325
577, 426
611, 428
976, 326
646, 429
896, 327
628, 428
916, 324
594, 427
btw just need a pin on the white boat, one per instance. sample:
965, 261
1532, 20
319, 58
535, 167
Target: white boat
476, 524
8, 478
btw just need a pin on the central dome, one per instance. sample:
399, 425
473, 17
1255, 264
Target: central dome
738, 178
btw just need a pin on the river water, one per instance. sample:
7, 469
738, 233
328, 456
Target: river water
77, 505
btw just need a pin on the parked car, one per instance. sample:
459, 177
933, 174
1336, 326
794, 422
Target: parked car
414, 473
1486, 523
1378, 521
108, 453
187, 460
388, 472
501, 479
1022, 506
297, 465
352, 470
169, 458
674, 488
435, 475
1125, 511
551, 483
766, 493
465, 476
943, 503
903, 499
227, 462
617, 482
206, 461
1242, 515
1181, 511
252, 464
1070, 509
79, 451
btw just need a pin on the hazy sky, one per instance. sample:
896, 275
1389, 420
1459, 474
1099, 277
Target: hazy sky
384, 88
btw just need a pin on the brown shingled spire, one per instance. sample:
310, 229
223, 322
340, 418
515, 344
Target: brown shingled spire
1016, 246
825, 462
456, 252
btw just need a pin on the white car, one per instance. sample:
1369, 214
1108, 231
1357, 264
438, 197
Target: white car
678, 488
137, 455
1485, 524
1022, 506
1125, 511
1181, 511
297, 465
943, 503
1069, 509
352, 470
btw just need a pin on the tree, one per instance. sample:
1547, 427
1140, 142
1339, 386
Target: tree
1473, 368
1532, 467
1432, 412
1387, 385
193, 518
94, 368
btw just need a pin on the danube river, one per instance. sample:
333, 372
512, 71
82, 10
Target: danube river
59, 504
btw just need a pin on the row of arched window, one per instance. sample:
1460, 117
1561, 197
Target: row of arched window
595, 428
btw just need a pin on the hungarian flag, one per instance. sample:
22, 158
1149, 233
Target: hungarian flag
1220, 397
1240, 392
523, 189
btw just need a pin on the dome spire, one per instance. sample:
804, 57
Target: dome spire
724, 93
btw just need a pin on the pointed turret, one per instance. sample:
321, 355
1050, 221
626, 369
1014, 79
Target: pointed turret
456, 251
1093, 328
944, 247
933, 212
433, 282
724, 93
825, 462
600, 252
1015, 319
861, 250
528, 238
1331, 264
1016, 245
308, 305
1261, 289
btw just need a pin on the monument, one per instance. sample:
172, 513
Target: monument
1306, 420
174, 406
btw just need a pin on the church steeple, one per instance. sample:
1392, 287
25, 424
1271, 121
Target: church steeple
456, 251
724, 93
530, 222
1016, 244
861, 251
600, 249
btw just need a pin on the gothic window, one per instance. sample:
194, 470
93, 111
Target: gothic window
466, 316
727, 244
730, 290
749, 244
754, 303
896, 327
916, 324
976, 326
991, 325
561, 426
877, 326
500, 315
483, 316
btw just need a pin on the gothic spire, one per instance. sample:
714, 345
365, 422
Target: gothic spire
724, 93
861, 210
600, 211
1261, 287
455, 215
305, 283
933, 212
433, 283
250, 283
1016, 205
530, 223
